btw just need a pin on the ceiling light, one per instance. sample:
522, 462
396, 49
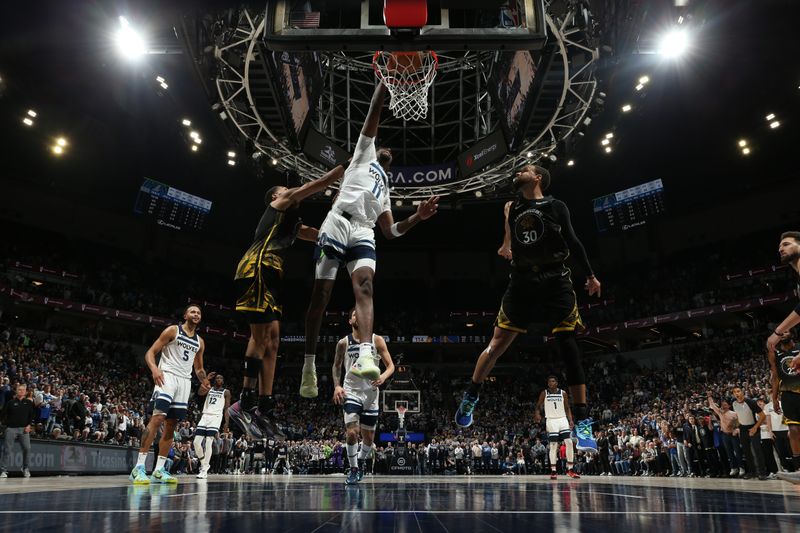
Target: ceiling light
194, 148
570, 163
31, 113
27, 121
194, 134
231, 154
769, 117
639, 87
609, 135
774, 124
605, 142
626, 108
644, 80
58, 150
328, 192
186, 122
398, 203
61, 141
674, 43
478, 194
742, 143
129, 43
159, 79
529, 155
164, 85
274, 161
746, 151
231, 162
197, 140
608, 149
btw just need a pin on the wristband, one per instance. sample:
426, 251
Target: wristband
395, 231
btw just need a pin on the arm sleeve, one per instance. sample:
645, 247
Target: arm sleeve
575, 245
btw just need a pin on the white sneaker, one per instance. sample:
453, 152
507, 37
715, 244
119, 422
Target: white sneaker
26, 473
3, 475
733, 472
741, 471
308, 382
203, 474
366, 365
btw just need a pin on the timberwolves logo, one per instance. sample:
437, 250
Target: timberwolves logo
529, 227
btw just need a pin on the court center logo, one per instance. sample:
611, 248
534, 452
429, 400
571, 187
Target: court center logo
529, 227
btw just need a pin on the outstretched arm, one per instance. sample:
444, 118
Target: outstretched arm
370, 128
505, 248
576, 247
295, 195
307, 233
392, 229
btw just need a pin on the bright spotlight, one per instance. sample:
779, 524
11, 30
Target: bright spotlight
478, 194
605, 142
194, 134
231, 162
626, 108
274, 161
674, 43
640, 87
529, 155
194, 148
32, 113
27, 121
769, 117
609, 135
742, 143
571, 163
328, 192
186, 122
164, 85
644, 80
231, 154
58, 150
746, 151
398, 203
774, 124
129, 43
61, 141
198, 140
608, 149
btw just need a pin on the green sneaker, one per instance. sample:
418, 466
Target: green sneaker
162, 476
139, 476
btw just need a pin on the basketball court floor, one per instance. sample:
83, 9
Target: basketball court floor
456, 504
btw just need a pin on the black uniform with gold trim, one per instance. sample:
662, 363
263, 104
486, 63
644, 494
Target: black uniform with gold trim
789, 386
540, 286
259, 274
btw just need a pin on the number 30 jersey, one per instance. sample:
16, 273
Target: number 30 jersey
177, 357
536, 238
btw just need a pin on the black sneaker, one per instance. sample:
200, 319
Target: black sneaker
266, 424
243, 421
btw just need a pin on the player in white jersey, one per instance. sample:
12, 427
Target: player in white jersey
347, 237
359, 396
215, 409
181, 351
558, 420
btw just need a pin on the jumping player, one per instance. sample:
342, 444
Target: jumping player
347, 237
359, 396
789, 251
181, 350
258, 277
539, 239
218, 399
558, 420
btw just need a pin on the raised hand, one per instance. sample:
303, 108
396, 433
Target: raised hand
428, 208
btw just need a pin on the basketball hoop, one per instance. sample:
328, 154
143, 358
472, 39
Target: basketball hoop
401, 413
407, 76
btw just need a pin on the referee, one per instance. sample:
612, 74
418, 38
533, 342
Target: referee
17, 415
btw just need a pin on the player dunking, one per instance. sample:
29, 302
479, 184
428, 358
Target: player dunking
347, 237
359, 396
539, 238
559, 423
258, 277
181, 350
215, 409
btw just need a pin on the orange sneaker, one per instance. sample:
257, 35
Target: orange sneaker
574, 475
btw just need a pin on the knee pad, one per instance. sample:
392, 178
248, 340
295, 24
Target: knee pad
252, 367
570, 353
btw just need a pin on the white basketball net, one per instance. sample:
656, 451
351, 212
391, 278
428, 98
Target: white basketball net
401, 414
407, 81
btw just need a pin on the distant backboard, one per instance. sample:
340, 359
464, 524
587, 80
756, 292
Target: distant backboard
359, 26
391, 398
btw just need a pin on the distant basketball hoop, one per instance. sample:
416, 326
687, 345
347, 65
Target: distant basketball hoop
407, 76
401, 407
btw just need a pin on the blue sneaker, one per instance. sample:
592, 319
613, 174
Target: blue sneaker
163, 476
584, 436
353, 477
139, 476
360, 471
464, 413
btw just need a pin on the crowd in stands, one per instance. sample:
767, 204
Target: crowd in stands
650, 421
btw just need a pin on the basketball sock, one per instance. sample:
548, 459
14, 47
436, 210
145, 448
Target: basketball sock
581, 411
209, 447
570, 452
266, 403
160, 463
308, 361
142, 458
199, 450
474, 389
352, 455
364, 452
247, 398
553, 455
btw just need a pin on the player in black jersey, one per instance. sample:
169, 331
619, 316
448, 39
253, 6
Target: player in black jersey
785, 365
539, 239
258, 280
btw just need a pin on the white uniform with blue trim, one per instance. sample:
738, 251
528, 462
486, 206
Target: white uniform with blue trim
361, 398
556, 415
177, 361
346, 236
212, 413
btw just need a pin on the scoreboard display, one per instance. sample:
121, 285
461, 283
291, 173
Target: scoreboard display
629, 208
171, 207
